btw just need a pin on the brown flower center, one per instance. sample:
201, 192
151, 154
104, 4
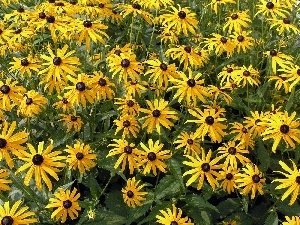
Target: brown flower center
136, 6
50, 19
229, 176
286, 21
190, 141
73, 118
246, 73
240, 38
7, 220
223, 40
191, 83
156, 113
163, 67
270, 5
151, 156
37, 159
87, 23
29, 101
126, 123
125, 63
209, 120
128, 149
255, 178
102, 82
188, 49
284, 129
205, 167
57, 61
5, 89
67, 204
79, 155
234, 16
273, 52
3, 143
130, 194
298, 179
130, 103
232, 150
24, 62
181, 14
80, 86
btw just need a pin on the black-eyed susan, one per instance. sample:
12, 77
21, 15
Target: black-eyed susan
168, 36
242, 41
248, 75
190, 88
126, 50
272, 8
189, 142
291, 181
102, 86
56, 25
129, 124
173, 216
18, 15
5, 33
128, 153
158, 114
219, 44
291, 74
282, 126
41, 163
71, 121
14, 216
155, 4
10, 94
215, 4
135, 9
219, 93
284, 24
132, 194
161, 71
280, 83
251, 179
210, 123
152, 157
4, 181
31, 104
242, 134
80, 90
65, 204
63, 104
278, 58
21, 34
25, 65
188, 55
237, 21
293, 220
181, 20
227, 176
254, 125
80, 156
10, 142
233, 152
228, 73
203, 167
135, 87
128, 105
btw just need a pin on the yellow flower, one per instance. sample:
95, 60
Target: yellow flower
135, 9
133, 87
217, 3
65, 204
80, 156
63, 104
13, 216
220, 44
130, 125
279, 58
155, 4
237, 21
272, 8
294, 220
159, 114
251, 179
168, 35
254, 123
190, 142
227, 175
40, 163
153, 157
172, 217
228, 73
72, 121
242, 134
247, 75
202, 166
102, 86
25, 65
128, 105
284, 25
291, 73
3, 181
242, 41
132, 194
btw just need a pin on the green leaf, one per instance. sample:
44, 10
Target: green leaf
175, 169
94, 187
205, 217
290, 101
263, 156
155, 211
167, 186
200, 203
272, 219
228, 206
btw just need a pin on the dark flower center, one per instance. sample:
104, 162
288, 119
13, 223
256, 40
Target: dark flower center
284, 129
3, 143
240, 38
67, 204
87, 23
102, 82
234, 16
18, 31
255, 178
173, 223
286, 21
156, 113
130, 103
205, 167
273, 52
130, 194
298, 71
21, 10
191, 83
24, 62
128, 149
190, 141
5, 89
57, 61
101, 5
209, 120
117, 52
136, 6
37, 159
65, 101
181, 14
80, 86
7, 220
126, 123
163, 67
244, 130
1, 31
257, 121
232, 150
223, 40
270, 5
51, 1
73, 118
125, 63
246, 73
50, 19
59, 4
114, 12
234, 86
298, 179
188, 49
79, 155
229, 176
151, 156
229, 70
29, 101
133, 82
73, 2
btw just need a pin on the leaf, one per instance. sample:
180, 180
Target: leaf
263, 156
155, 211
205, 217
137, 212
290, 101
175, 169
167, 186
94, 187
228, 206
272, 219
200, 203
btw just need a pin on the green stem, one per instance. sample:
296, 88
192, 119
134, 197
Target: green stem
104, 189
131, 28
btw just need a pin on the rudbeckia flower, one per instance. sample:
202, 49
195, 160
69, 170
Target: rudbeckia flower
155, 4
210, 123
247, 75
132, 194
217, 3
159, 114
65, 204
71, 121
189, 142
63, 104
227, 175
219, 44
242, 41
25, 65
293, 220
5, 33
254, 123
203, 166
152, 158
129, 125
128, 153
14, 216
237, 21
291, 74
251, 179
102, 86
11, 142
128, 105
284, 25
279, 58
80, 156
21, 34
41, 163
173, 217
4, 181
228, 73
135, 9
272, 8
242, 134
168, 35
